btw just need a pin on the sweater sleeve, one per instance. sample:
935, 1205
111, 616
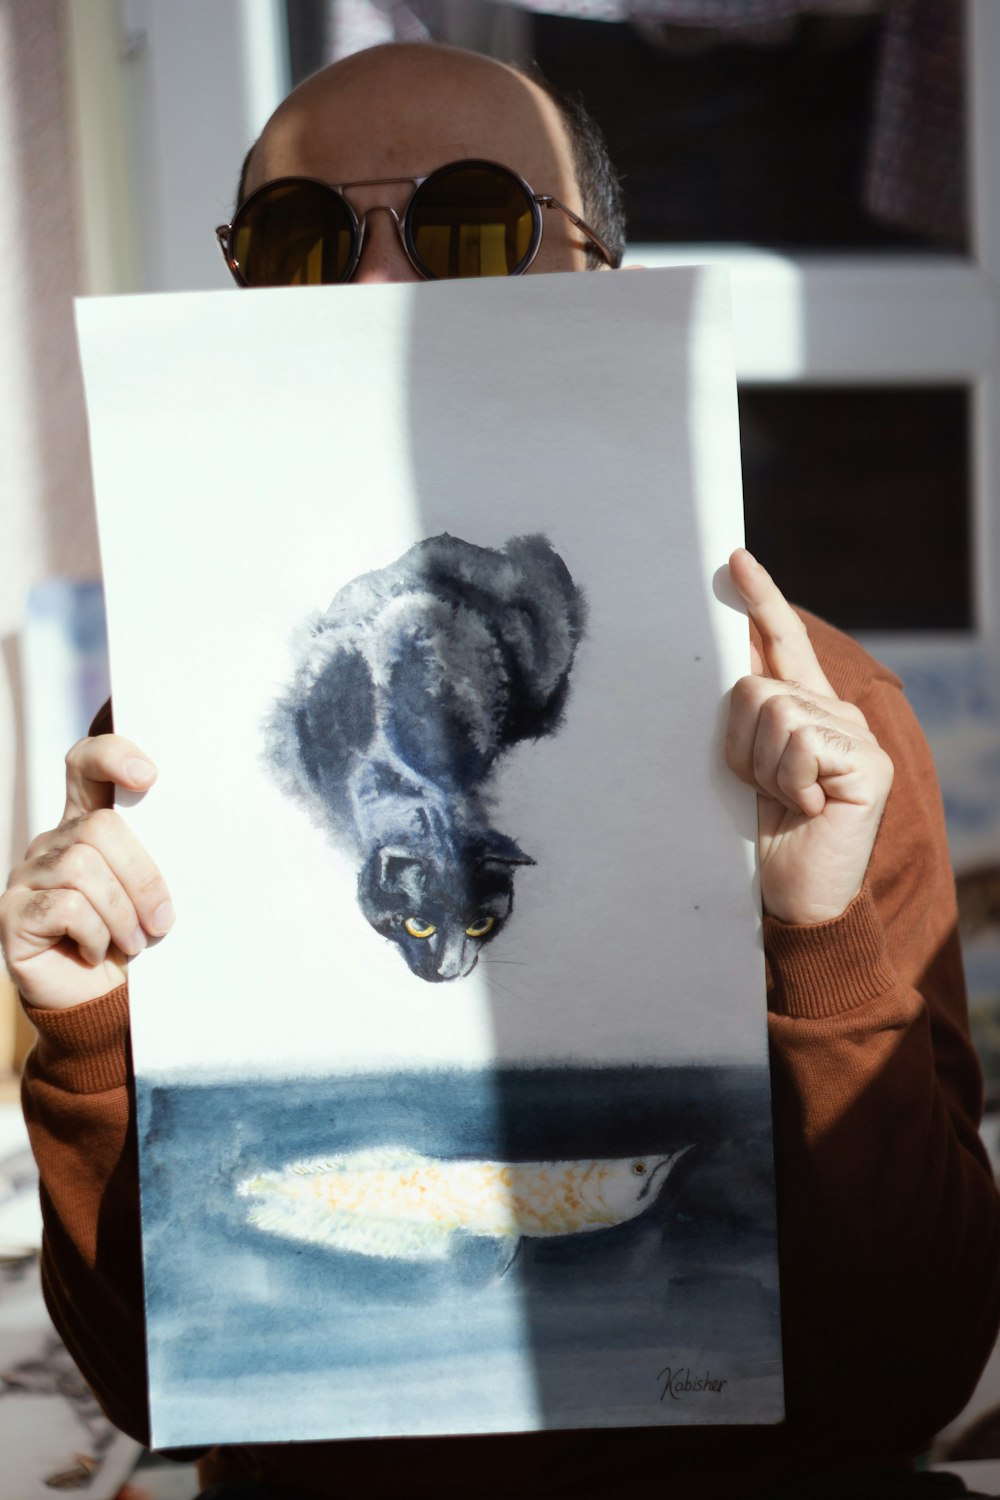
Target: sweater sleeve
77, 1103
889, 1225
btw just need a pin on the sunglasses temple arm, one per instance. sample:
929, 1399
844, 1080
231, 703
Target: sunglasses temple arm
547, 201
222, 235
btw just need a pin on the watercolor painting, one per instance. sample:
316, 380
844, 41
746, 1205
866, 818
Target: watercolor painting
413, 683
394, 1204
452, 1081
426, 1257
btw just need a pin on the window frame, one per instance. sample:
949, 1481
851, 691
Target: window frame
865, 318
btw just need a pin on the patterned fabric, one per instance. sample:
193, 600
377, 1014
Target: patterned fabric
734, 13
241, 1491
916, 173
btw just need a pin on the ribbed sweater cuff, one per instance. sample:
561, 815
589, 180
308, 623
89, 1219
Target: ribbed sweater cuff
828, 968
84, 1049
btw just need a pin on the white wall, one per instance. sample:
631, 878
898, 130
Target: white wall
46, 512
108, 187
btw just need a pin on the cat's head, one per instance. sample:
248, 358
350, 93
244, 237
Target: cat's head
441, 912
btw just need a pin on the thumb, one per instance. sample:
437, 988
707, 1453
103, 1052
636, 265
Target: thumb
95, 766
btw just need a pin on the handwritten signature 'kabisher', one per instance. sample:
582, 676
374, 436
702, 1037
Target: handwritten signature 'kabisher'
678, 1383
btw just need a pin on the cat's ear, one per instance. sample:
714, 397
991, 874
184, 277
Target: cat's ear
497, 849
401, 869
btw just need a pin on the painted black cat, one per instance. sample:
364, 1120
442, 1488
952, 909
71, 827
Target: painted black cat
412, 684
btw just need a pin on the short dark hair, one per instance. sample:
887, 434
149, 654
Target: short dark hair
599, 184
241, 186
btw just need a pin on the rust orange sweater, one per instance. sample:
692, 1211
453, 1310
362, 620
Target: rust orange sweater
889, 1226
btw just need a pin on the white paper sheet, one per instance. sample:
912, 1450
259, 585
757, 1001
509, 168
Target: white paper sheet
254, 454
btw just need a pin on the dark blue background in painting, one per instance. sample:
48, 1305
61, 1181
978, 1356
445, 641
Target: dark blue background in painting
695, 1272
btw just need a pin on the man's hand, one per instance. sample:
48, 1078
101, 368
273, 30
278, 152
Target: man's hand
87, 896
821, 778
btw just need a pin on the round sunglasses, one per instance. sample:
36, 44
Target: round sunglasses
469, 218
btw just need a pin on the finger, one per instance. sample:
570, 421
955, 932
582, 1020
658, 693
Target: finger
98, 852
77, 865
96, 765
758, 741
824, 763
811, 755
788, 651
764, 716
757, 663
751, 693
38, 920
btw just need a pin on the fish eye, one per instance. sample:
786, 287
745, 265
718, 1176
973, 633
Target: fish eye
480, 926
639, 1168
418, 928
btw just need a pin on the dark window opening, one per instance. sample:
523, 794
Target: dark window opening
858, 502
763, 145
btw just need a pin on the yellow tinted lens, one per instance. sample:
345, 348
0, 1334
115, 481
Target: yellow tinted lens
471, 221
293, 234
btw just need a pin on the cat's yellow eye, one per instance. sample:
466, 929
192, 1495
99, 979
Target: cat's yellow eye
419, 929
480, 926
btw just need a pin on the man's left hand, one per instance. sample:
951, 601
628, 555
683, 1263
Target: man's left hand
821, 778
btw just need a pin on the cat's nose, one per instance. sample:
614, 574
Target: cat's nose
458, 959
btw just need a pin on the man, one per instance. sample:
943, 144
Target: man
888, 1217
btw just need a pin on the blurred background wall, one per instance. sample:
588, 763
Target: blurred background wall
46, 516
121, 129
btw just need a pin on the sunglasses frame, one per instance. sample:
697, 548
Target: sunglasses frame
225, 233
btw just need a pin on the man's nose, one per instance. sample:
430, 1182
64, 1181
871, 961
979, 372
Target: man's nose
382, 255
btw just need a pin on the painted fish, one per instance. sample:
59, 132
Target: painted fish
395, 1204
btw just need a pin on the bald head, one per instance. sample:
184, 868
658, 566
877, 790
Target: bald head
403, 110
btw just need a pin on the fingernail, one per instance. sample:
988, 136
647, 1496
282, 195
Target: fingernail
138, 941
137, 769
163, 917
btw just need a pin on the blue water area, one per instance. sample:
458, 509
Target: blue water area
279, 1336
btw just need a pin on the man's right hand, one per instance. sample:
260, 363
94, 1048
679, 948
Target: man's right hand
87, 897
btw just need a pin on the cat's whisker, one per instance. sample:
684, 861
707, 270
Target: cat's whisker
499, 990
495, 985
